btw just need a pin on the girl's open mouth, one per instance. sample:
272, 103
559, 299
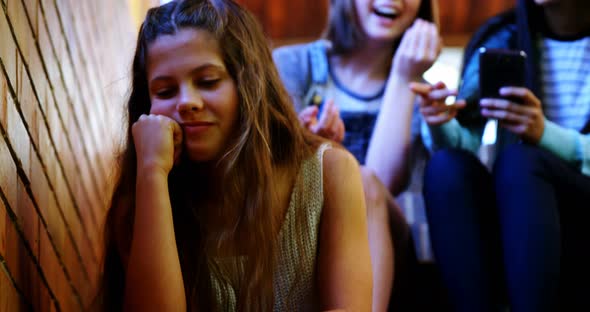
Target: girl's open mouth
386, 12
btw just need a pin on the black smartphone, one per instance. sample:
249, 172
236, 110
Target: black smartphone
500, 68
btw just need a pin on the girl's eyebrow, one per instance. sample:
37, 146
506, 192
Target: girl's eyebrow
200, 68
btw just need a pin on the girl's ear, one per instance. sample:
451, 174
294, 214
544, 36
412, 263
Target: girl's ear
435, 13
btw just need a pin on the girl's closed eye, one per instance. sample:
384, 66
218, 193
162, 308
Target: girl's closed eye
165, 93
208, 83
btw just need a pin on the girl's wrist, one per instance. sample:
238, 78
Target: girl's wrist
150, 169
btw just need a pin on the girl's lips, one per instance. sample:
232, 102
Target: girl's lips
386, 12
196, 127
385, 21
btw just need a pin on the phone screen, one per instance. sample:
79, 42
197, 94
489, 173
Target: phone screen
500, 68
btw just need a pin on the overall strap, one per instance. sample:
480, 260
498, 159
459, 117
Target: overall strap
318, 59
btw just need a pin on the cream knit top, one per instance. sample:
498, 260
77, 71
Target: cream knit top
295, 276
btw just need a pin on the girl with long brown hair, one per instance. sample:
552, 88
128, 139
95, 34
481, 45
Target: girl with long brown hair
224, 202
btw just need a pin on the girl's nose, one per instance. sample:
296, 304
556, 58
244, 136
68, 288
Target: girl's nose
190, 101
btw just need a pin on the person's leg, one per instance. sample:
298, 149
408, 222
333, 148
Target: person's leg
380, 238
541, 201
574, 209
460, 207
405, 263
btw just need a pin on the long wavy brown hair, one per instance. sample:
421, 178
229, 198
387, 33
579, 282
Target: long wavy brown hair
237, 205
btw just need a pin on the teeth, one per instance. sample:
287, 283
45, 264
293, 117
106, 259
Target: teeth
386, 10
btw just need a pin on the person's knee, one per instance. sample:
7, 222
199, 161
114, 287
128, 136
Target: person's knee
517, 161
381, 206
375, 192
449, 169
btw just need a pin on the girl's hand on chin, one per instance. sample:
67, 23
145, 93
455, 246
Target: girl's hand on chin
158, 142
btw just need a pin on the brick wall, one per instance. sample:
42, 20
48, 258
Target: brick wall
63, 76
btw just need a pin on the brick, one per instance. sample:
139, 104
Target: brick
19, 262
3, 100
8, 50
8, 175
9, 297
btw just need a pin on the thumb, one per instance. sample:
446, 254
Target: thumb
308, 114
177, 141
459, 104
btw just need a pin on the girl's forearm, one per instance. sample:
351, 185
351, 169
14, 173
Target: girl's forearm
388, 150
153, 276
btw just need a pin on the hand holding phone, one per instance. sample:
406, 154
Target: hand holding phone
500, 68
504, 96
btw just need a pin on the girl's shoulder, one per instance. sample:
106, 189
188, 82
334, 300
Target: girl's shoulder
337, 165
298, 62
497, 32
298, 54
302, 66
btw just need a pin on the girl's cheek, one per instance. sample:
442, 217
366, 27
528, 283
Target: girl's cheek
159, 108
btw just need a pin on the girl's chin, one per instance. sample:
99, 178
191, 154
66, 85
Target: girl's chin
200, 156
384, 35
198, 152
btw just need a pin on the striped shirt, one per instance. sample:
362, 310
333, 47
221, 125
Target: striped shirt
565, 68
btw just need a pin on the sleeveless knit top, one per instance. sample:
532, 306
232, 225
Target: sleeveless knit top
295, 275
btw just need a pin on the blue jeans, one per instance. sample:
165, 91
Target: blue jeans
517, 235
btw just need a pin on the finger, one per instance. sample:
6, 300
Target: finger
432, 110
337, 120
439, 119
459, 104
494, 103
440, 42
432, 41
439, 85
330, 120
504, 115
441, 94
308, 112
325, 111
436, 46
339, 131
327, 114
308, 116
503, 104
422, 41
528, 98
513, 127
176, 133
408, 37
411, 34
177, 138
421, 88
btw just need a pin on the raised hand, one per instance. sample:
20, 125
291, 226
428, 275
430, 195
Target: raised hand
418, 49
329, 126
432, 102
158, 142
525, 119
